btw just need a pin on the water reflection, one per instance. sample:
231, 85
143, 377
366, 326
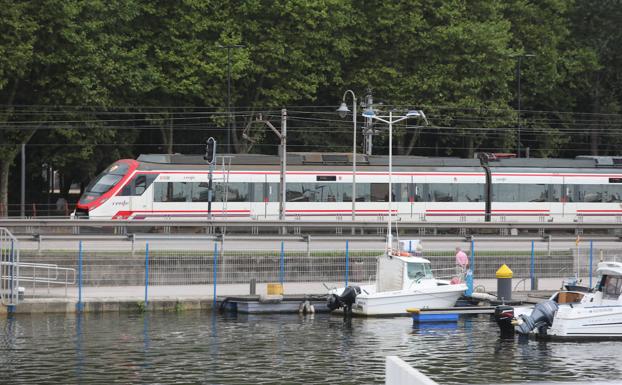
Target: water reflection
195, 347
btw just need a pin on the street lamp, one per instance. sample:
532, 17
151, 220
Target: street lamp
390, 120
518, 65
343, 112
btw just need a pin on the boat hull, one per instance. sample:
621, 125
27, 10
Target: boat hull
396, 302
596, 322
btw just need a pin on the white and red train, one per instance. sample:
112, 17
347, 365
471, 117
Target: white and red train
319, 187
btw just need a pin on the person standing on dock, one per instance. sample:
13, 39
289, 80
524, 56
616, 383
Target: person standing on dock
462, 262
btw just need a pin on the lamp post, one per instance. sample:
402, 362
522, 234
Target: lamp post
343, 112
518, 65
390, 120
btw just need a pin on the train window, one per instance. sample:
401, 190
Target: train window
138, 185
596, 193
172, 192
379, 192
400, 192
200, 192
413, 193
533, 193
103, 183
362, 192
513, 192
236, 192
440, 192
505, 192
313, 192
451, 192
469, 192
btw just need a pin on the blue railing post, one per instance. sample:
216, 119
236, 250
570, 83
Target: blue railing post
532, 270
347, 261
282, 267
146, 274
469, 274
591, 255
215, 273
79, 305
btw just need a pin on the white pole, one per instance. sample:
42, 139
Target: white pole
354, 161
389, 235
283, 165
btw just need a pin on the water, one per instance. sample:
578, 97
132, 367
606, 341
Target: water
195, 347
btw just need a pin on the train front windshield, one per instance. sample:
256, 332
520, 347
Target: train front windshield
104, 182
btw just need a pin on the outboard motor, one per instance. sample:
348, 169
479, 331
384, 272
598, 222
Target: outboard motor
345, 300
504, 315
541, 317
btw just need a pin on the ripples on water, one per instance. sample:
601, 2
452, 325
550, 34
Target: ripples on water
194, 347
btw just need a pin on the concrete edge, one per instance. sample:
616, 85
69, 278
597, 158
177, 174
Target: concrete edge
100, 306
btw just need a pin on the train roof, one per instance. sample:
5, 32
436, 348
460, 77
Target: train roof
304, 159
345, 160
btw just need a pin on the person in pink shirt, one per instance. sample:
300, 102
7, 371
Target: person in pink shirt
462, 262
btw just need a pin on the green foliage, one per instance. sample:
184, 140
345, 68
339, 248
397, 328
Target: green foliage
83, 72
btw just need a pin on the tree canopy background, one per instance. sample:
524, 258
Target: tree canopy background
84, 83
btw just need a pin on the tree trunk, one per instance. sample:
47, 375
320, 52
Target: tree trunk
470, 147
167, 136
5, 166
594, 132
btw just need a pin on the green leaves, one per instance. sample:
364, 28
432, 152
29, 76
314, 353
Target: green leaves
456, 59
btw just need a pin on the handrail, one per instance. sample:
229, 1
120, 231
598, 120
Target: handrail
9, 275
46, 266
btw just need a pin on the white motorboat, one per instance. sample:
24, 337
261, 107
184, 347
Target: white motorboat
572, 314
403, 281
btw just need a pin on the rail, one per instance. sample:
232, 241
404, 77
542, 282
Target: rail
291, 224
9, 272
42, 273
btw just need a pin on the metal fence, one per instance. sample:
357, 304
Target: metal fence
169, 271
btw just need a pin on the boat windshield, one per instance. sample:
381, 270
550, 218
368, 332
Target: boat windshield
612, 287
417, 270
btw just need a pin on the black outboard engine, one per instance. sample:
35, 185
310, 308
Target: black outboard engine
541, 317
504, 315
345, 300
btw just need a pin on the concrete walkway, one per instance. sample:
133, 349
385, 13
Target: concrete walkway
132, 298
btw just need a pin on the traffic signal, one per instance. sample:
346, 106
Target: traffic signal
210, 151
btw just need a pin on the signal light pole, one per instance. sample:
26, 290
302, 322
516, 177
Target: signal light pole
210, 158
